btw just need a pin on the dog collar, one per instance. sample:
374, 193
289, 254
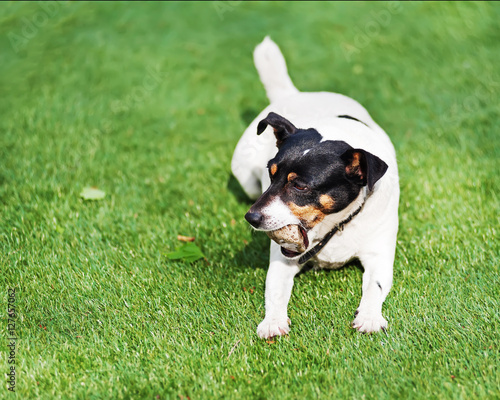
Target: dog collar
340, 227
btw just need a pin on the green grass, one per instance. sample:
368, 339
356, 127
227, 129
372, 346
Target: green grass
147, 102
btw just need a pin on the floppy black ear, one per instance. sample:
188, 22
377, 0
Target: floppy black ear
282, 127
363, 168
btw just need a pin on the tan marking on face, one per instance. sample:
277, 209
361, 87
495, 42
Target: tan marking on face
273, 169
354, 168
326, 202
291, 176
309, 215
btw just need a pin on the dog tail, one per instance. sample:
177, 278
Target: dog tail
273, 73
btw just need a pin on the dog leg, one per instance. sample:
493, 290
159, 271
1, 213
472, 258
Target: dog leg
279, 283
377, 282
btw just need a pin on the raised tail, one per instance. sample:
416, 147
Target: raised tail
273, 73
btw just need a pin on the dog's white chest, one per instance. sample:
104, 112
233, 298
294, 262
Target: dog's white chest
336, 253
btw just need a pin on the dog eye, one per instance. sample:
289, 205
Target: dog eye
299, 187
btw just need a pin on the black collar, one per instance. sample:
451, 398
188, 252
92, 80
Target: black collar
339, 227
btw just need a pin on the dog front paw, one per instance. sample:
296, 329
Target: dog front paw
272, 327
367, 322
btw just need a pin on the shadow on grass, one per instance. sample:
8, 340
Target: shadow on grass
235, 188
247, 115
254, 254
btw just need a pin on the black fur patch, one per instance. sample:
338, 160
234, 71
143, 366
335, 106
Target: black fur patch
354, 119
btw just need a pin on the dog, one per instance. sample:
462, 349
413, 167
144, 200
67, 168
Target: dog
325, 180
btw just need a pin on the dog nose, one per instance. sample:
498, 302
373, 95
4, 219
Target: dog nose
254, 218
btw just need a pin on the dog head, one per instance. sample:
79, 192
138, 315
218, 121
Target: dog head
310, 178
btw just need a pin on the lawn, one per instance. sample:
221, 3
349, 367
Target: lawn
147, 101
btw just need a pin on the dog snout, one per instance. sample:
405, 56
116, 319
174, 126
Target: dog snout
254, 218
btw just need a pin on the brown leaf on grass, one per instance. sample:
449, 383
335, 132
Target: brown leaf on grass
185, 238
270, 341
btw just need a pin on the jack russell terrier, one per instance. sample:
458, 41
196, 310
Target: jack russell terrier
326, 182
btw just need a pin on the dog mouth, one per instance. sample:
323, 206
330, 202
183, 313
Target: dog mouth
292, 239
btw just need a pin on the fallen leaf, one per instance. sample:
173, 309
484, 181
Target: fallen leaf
185, 238
92, 193
187, 251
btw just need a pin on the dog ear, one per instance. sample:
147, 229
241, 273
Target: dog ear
282, 127
363, 168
